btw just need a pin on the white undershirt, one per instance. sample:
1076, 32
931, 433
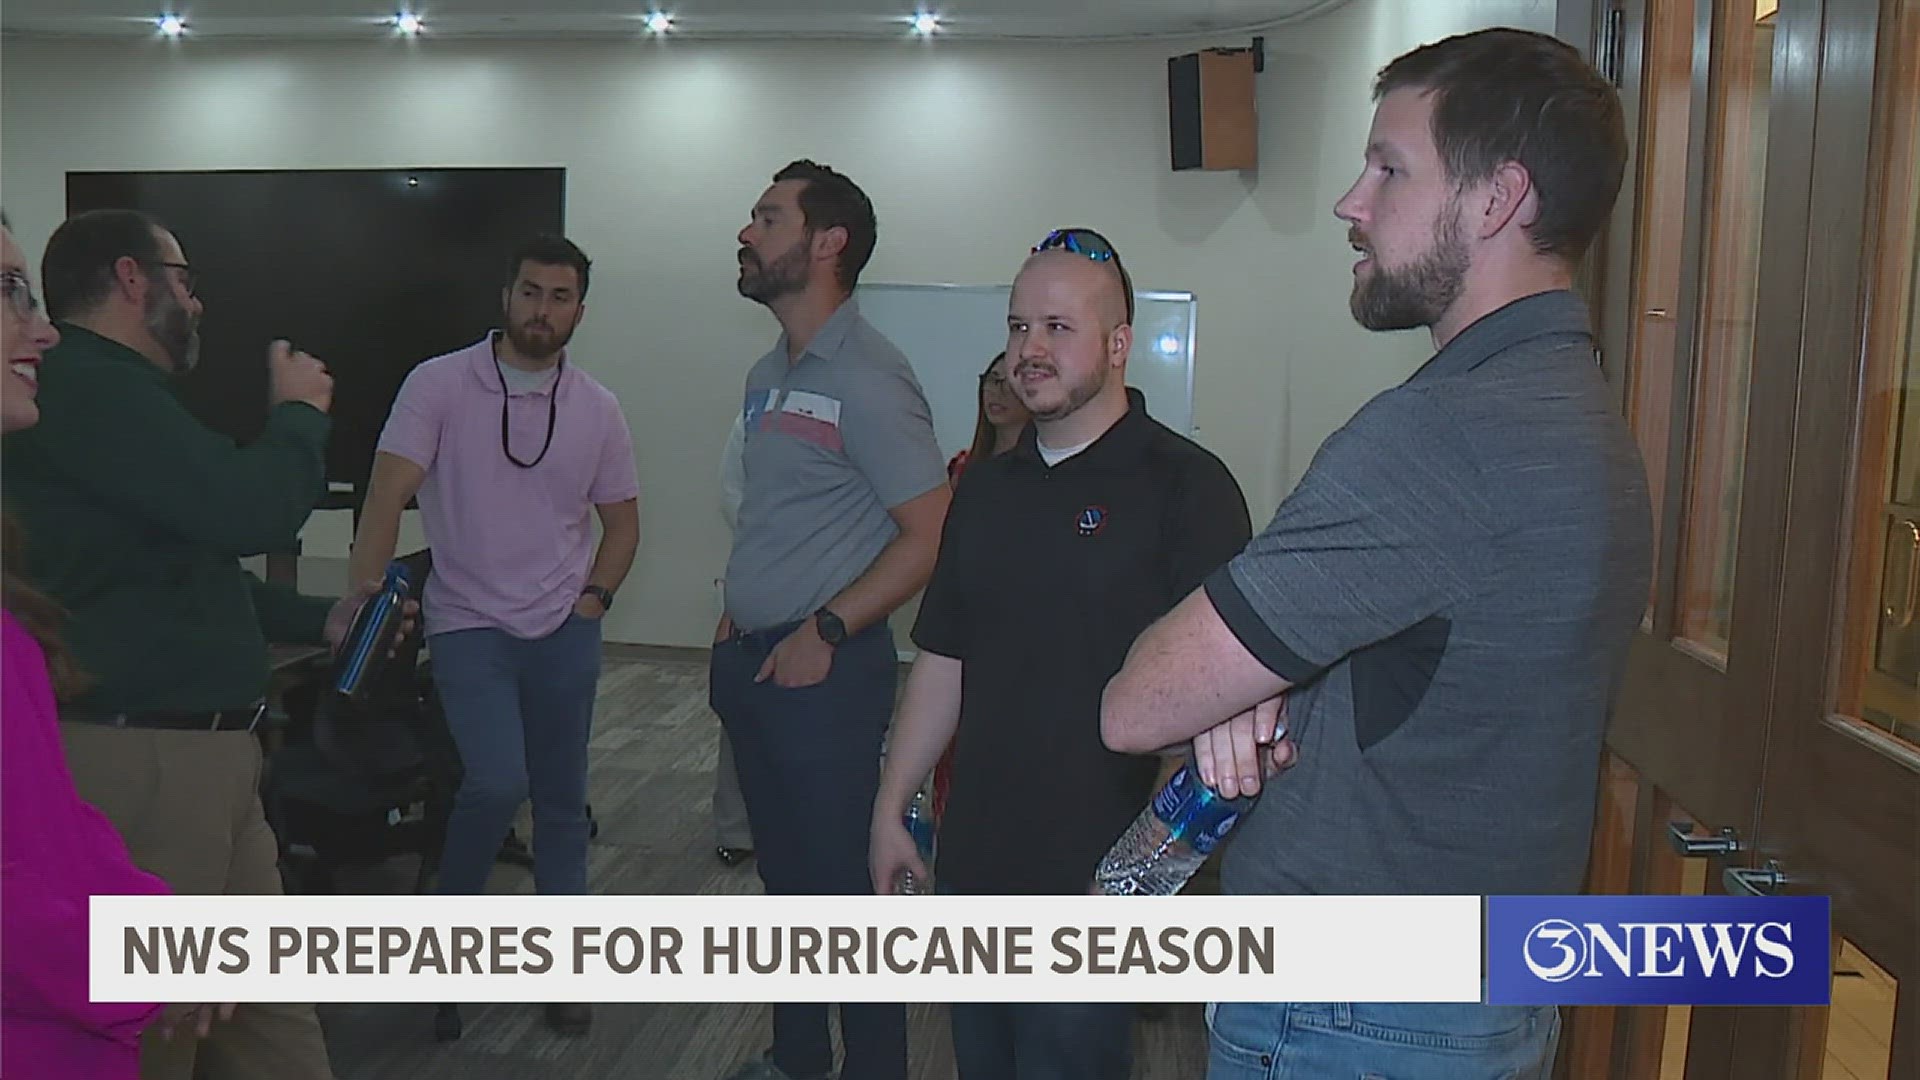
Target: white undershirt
1054, 457
528, 382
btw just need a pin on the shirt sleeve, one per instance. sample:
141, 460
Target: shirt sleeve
618, 477
288, 617
1210, 524
166, 469
887, 429
944, 625
1389, 527
412, 430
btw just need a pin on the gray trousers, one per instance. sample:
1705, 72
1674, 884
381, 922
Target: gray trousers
729, 808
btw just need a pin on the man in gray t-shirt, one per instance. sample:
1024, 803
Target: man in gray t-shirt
839, 524
1448, 596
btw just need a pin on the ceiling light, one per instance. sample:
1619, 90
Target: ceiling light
408, 23
171, 25
659, 22
1168, 345
926, 23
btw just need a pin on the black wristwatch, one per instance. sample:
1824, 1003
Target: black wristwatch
600, 593
832, 629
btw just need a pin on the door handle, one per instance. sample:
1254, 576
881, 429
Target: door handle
1686, 845
1745, 881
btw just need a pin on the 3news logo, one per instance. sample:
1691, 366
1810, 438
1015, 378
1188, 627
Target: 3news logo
1658, 950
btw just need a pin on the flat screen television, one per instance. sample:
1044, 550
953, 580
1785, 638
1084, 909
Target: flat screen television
371, 270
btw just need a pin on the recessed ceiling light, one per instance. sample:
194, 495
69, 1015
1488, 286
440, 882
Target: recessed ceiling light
659, 22
408, 23
926, 23
171, 25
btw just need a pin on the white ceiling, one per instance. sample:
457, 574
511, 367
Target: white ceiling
876, 19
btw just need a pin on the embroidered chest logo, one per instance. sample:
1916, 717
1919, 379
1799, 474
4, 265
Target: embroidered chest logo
1091, 521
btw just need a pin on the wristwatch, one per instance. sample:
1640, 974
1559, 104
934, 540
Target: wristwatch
600, 593
833, 631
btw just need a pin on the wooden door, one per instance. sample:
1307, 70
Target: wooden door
1678, 298
1754, 727
1840, 806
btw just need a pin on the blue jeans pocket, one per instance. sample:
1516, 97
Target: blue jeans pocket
1421, 1042
1241, 1040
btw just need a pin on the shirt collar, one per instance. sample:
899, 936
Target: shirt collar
1559, 313
832, 335
1121, 444
482, 365
79, 337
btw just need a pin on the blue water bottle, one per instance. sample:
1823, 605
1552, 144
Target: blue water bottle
375, 628
919, 822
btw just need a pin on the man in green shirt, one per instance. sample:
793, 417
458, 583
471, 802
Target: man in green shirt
137, 517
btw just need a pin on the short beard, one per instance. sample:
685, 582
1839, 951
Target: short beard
1418, 294
766, 282
173, 327
524, 344
1077, 396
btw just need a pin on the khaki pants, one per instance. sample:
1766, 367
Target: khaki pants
188, 805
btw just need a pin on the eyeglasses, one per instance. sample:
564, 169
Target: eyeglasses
1080, 242
18, 293
187, 276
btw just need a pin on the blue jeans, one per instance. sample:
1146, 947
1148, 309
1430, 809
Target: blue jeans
809, 765
1381, 1042
1045, 1040
520, 712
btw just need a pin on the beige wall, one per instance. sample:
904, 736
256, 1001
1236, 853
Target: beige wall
970, 152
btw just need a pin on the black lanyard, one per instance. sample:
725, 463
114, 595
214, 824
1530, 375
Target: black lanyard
553, 411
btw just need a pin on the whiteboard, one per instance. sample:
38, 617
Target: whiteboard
949, 332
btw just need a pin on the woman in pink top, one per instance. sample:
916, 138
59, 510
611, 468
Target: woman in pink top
57, 851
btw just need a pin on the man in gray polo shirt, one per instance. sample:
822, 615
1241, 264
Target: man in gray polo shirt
1448, 596
839, 525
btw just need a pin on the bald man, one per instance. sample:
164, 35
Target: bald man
1055, 556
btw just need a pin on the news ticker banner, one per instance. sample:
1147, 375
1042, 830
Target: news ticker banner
1502, 950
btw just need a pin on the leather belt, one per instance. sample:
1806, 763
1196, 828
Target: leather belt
243, 718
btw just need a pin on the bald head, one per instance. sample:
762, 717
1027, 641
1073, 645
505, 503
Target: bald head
1064, 277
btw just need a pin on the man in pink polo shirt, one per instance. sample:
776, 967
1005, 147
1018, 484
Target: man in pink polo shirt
511, 450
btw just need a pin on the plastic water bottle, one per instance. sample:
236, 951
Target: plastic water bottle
919, 822
1170, 839
374, 629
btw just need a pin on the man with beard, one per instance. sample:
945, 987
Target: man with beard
1055, 556
137, 516
1448, 596
839, 525
512, 450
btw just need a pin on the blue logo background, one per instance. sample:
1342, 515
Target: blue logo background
1568, 950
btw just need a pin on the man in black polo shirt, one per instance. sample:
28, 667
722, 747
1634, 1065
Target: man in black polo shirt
1055, 556
1448, 596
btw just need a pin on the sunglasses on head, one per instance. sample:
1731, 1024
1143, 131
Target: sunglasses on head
1079, 241
1094, 246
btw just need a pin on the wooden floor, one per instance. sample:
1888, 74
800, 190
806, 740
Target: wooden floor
651, 786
